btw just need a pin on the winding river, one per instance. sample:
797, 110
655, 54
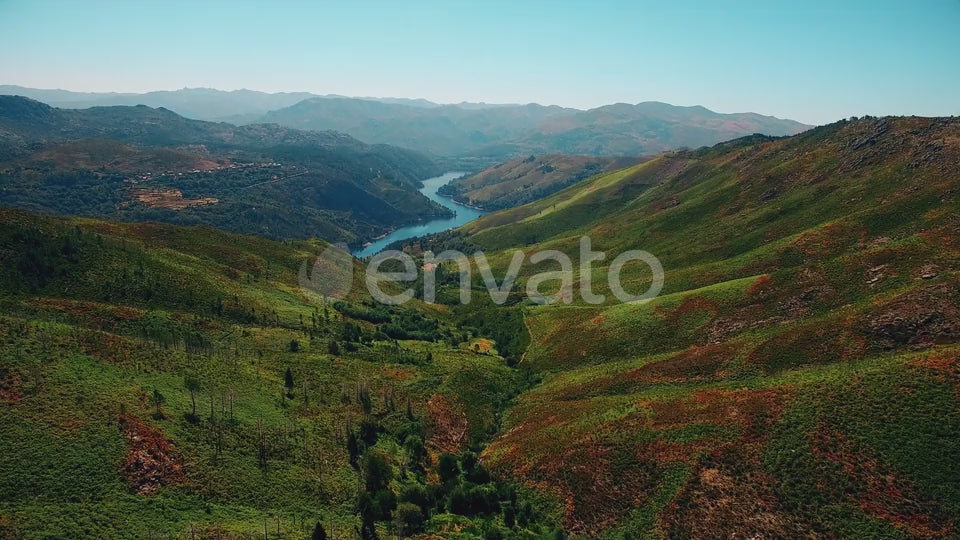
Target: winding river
430, 186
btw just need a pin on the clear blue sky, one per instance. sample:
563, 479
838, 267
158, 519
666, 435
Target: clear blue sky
808, 60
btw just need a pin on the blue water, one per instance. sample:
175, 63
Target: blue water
430, 187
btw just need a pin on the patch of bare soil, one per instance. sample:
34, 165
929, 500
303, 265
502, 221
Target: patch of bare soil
170, 198
152, 460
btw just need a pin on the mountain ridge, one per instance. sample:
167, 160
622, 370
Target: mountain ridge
470, 134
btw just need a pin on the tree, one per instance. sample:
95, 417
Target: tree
333, 348
509, 515
416, 494
410, 415
467, 500
377, 472
413, 445
468, 461
319, 533
366, 509
368, 432
385, 502
158, 400
409, 518
288, 382
294, 346
192, 384
353, 448
447, 467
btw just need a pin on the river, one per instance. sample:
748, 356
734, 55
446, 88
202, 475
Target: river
464, 215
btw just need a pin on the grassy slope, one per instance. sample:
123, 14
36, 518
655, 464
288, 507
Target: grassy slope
98, 315
526, 179
798, 375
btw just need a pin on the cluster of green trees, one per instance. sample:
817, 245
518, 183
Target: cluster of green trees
465, 486
372, 314
391, 324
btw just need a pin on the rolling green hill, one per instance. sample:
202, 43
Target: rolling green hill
527, 179
796, 377
172, 381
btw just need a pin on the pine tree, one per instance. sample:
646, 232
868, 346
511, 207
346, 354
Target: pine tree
319, 533
158, 400
288, 382
353, 447
192, 384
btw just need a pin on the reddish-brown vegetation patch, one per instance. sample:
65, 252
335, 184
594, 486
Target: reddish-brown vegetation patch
831, 239
730, 496
808, 345
880, 493
93, 314
694, 305
152, 460
601, 483
945, 366
396, 373
10, 383
483, 345
745, 410
760, 286
918, 319
697, 363
448, 424
107, 347
602, 472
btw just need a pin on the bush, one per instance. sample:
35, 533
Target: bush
410, 517
416, 495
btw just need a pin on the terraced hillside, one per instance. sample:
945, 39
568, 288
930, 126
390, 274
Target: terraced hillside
798, 375
162, 381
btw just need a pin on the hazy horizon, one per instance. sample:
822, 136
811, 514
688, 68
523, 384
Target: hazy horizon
886, 58
385, 97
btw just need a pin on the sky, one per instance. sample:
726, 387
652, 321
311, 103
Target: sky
812, 61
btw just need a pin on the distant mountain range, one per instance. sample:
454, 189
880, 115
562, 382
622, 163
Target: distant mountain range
470, 132
140, 163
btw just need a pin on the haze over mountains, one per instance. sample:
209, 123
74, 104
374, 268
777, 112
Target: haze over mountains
475, 133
